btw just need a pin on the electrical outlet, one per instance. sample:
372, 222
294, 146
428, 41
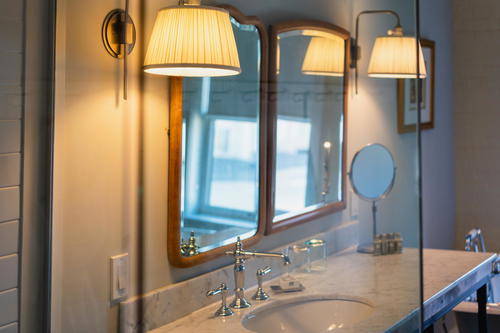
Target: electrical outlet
119, 277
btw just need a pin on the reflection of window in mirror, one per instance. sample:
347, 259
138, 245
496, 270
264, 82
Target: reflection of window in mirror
233, 157
292, 165
307, 121
222, 136
223, 202
222, 157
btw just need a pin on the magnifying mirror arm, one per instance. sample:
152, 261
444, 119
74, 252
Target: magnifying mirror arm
374, 214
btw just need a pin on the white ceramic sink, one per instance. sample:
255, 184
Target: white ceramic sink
308, 315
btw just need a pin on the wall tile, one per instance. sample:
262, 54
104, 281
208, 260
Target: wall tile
9, 237
10, 170
11, 328
10, 10
12, 38
9, 203
10, 136
11, 68
8, 272
11, 102
8, 306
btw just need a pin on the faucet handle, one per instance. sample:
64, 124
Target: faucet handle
263, 271
260, 294
223, 310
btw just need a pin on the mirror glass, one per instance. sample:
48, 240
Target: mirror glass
309, 120
220, 144
372, 172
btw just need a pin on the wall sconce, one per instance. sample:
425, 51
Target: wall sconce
393, 56
324, 56
192, 40
118, 36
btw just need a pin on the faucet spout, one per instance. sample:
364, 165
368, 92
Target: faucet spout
284, 258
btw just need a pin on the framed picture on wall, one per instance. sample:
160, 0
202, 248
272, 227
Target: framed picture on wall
408, 95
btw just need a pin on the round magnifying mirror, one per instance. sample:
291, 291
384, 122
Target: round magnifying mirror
372, 176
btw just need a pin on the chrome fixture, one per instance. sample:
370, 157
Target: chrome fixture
474, 241
260, 294
189, 248
240, 256
223, 311
496, 267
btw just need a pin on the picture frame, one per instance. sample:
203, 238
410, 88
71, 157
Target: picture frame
408, 94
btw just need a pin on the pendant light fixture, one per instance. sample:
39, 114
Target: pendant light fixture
192, 40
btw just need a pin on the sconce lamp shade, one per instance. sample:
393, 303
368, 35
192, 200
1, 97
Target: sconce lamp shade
395, 57
325, 56
192, 40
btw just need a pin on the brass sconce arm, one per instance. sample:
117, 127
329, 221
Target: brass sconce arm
119, 36
355, 49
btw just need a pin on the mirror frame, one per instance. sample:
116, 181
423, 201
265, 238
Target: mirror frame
175, 157
315, 211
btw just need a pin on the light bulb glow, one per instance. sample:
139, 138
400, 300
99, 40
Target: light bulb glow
192, 41
395, 57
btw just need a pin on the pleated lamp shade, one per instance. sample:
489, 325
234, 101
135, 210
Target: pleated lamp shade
395, 57
192, 40
325, 56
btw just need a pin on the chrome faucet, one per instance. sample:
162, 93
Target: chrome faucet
240, 256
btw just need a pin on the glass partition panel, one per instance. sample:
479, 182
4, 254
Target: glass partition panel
384, 160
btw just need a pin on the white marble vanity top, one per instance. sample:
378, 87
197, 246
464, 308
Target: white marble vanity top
389, 283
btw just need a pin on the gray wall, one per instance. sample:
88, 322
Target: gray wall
11, 115
476, 32
438, 188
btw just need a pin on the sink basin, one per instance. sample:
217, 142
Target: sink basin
308, 315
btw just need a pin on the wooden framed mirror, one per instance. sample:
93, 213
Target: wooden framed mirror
217, 153
307, 122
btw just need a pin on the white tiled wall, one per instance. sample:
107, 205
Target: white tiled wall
11, 96
8, 306
8, 272
10, 174
9, 203
9, 237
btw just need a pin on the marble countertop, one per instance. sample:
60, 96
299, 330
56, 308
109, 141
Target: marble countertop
389, 283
